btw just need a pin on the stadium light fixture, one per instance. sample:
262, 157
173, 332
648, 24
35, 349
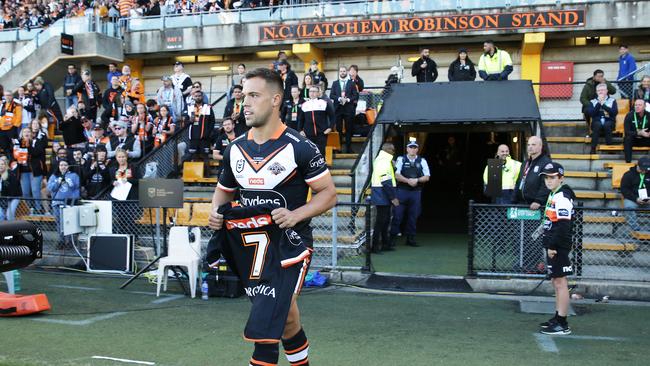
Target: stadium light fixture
413, 59
210, 58
186, 59
220, 68
272, 54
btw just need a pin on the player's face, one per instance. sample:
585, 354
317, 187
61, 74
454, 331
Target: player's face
259, 102
552, 181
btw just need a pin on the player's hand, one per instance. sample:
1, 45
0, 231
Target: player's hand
535, 206
551, 253
285, 218
215, 220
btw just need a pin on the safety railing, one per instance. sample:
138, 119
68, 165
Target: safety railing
607, 244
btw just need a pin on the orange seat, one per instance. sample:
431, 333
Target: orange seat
192, 171
371, 115
333, 140
618, 170
201, 213
183, 214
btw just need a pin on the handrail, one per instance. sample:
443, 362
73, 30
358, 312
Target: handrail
642, 68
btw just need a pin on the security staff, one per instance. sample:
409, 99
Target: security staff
383, 195
509, 175
494, 64
411, 171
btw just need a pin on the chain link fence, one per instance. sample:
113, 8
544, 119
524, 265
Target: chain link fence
607, 245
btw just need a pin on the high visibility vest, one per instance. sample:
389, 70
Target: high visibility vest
496, 63
509, 173
382, 168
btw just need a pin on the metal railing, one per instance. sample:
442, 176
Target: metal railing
607, 244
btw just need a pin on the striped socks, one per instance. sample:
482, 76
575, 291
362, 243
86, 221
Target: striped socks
296, 349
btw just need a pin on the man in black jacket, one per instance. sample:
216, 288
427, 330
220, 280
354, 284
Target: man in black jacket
425, 69
112, 101
69, 83
289, 78
316, 119
317, 76
637, 129
634, 185
90, 94
344, 94
235, 110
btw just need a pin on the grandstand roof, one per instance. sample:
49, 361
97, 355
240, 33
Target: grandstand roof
460, 102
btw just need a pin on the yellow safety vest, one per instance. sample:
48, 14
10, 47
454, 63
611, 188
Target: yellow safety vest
381, 168
509, 174
496, 63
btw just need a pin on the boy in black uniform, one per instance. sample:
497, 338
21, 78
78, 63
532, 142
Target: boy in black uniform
558, 226
276, 165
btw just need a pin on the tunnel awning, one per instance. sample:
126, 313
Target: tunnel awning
460, 102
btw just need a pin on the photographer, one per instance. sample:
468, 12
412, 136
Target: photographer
96, 173
72, 129
634, 188
63, 187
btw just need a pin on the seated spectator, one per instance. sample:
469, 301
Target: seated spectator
170, 96
72, 129
63, 187
121, 139
201, 119
29, 153
128, 111
589, 92
634, 188
644, 89
235, 110
11, 120
637, 129
602, 110
291, 108
112, 101
96, 172
122, 171
96, 140
164, 126
462, 69
10, 191
152, 108
136, 93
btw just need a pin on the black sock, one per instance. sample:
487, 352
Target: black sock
265, 354
556, 315
562, 320
296, 349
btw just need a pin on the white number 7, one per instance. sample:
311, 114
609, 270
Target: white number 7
261, 242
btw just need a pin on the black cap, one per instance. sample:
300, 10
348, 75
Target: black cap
553, 169
283, 62
178, 63
462, 50
644, 163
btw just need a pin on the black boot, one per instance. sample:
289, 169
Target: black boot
410, 241
391, 244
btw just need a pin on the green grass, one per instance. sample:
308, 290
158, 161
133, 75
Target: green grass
441, 254
344, 328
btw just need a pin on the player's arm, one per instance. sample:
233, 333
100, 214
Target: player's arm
323, 198
224, 192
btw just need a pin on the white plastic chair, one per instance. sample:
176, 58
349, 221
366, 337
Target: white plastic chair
181, 253
9, 277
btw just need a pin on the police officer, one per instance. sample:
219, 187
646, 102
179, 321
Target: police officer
411, 171
383, 195
509, 175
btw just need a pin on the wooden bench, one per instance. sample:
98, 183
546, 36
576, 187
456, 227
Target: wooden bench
623, 106
37, 218
641, 235
620, 148
616, 247
604, 219
618, 169
183, 215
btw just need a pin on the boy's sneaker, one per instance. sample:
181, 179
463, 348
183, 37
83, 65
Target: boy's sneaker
548, 323
557, 329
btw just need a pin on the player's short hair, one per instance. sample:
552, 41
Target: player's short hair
272, 78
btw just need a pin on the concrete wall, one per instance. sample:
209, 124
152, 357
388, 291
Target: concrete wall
9, 48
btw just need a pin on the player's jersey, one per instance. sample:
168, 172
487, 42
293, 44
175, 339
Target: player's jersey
276, 172
271, 263
558, 217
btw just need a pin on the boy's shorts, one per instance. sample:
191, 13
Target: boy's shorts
560, 265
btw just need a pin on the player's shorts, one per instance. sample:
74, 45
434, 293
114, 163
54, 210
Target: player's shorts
560, 265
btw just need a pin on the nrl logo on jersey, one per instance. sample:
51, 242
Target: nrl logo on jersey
293, 237
239, 166
276, 168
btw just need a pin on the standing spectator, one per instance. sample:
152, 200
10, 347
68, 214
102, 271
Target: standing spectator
96, 139
318, 77
509, 174
383, 196
122, 140
316, 119
77, 166
47, 102
237, 78
354, 76
201, 119
27, 102
494, 64
142, 128
112, 71
63, 187
181, 80
189, 100
589, 92
307, 82
11, 115
289, 79
154, 9
126, 79
70, 81
637, 129
72, 129
171, 96
29, 153
164, 126
112, 101
125, 7
10, 191
644, 89
136, 94
462, 69
602, 110
235, 110
636, 181
282, 56
626, 65
61, 153
96, 172
90, 95
290, 108
345, 96
425, 69
393, 78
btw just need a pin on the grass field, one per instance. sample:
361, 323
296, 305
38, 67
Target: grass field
92, 317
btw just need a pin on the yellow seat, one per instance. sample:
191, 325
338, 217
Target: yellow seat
618, 170
192, 171
201, 213
183, 215
333, 140
620, 124
623, 106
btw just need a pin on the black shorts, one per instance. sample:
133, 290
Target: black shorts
560, 265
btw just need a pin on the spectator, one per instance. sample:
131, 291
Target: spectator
47, 102
72, 129
154, 9
316, 119
289, 79
237, 78
88, 128
425, 69
96, 172
125, 7
136, 94
170, 96
164, 126
589, 92
494, 64
201, 119
189, 101
63, 187
122, 140
69, 83
644, 89
383, 196
637, 129
142, 128
307, 82
61, 154
509, 174
354, 76
29, 153
152, 108
11, 115
602, 110
393, 78
634, 188
90, 95
77, 166
9, 189
626, 67
112, 71
345, 96
530, 188
27, 102
96, 140
282, 56
42, 123
181, 80
126, 80
112, 101
317, 76
223, 139
462, 69
235, 110
128, 111
290, 108
123, 171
